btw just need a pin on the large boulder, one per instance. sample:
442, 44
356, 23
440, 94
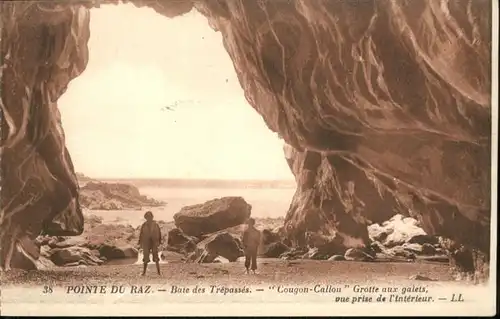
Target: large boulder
172, 257
43, 240
268, 236
180, 242
212, 216
221, 244
377, 247
45, 251
44, 263
275, 250
413, 248
24, 249
423, 250
110, 234
331, 244
400, 252
118, 251
316, 254
397, 231
294, 253
393, 121
68, 242
201, 256
74, 255
378, 233
267, 239
356, 254
423, 239
429, 250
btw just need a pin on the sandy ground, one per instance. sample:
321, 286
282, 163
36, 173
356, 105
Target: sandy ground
270, 271
279, 288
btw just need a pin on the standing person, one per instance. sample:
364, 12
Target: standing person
251, 242
149, 240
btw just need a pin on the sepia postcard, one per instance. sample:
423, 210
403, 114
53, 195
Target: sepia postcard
248, 157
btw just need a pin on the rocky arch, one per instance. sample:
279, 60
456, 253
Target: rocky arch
385, 106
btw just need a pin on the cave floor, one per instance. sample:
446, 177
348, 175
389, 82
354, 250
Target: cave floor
287, 285
270, 271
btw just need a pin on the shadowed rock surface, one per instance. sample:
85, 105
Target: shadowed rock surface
221, 244
179, 242
74, 256
385, 105
274, 250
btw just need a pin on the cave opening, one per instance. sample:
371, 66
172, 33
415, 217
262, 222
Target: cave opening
45, 49
172, 116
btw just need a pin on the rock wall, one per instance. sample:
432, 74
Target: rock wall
385, 103
41, 51
334, 200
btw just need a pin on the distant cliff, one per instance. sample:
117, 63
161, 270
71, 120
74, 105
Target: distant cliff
83, 178
112, 196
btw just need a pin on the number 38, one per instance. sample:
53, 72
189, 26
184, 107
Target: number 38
47, 290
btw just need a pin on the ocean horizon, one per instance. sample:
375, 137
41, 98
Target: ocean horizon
195, 182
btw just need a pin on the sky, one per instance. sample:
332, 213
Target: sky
114, 114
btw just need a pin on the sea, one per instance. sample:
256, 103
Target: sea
269, 199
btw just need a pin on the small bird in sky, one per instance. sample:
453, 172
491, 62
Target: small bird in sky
167, 108
172, 106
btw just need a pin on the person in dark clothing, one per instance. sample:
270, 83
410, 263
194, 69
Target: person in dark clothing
251, 242
149, 240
